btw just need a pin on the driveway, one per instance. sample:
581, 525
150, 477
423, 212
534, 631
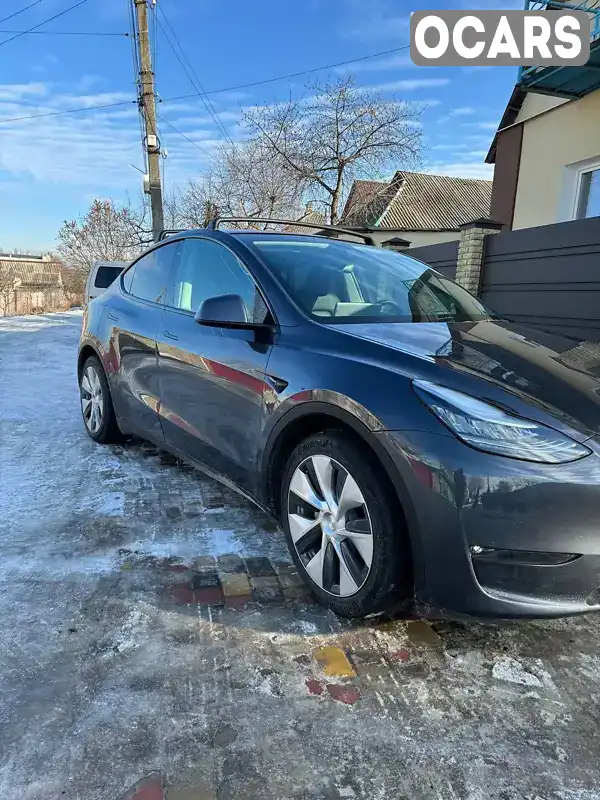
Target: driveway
156, 643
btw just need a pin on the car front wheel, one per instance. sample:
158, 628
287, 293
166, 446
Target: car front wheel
96, 403
344, 526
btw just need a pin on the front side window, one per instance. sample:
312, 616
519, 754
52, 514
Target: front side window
151, 274
207, 269
588, 201
341, 282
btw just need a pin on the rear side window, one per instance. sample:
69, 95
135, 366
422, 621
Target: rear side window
151, 274
105, 276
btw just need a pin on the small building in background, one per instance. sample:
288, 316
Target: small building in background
31, 284
421, 208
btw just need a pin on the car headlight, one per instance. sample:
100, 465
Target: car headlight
492, 430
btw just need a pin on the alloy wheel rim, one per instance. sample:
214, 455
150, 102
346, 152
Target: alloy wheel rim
330, 526
92, 403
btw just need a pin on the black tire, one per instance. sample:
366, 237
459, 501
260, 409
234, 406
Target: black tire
108, 430
388, 586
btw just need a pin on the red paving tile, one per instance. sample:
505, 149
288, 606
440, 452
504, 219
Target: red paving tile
182, 593
314, 686
210, 596
345, 694
241, 601
177, 568
150, 789
400, 655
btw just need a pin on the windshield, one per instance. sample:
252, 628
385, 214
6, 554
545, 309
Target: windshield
340, 282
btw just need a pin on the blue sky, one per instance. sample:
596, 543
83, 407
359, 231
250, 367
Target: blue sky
51, 168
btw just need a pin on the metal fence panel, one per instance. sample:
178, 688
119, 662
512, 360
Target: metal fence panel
547, 277
442, 257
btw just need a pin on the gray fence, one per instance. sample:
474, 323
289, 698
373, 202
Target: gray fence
442, 257
546, 277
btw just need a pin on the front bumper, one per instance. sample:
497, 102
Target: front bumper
497, 537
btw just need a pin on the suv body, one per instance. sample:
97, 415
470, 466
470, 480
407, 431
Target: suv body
466, 447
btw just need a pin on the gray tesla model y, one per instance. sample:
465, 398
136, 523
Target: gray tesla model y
418, 450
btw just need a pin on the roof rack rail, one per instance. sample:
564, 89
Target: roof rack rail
330, 231
169, 232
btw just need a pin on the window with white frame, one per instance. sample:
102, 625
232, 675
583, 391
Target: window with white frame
588, 194
580, 191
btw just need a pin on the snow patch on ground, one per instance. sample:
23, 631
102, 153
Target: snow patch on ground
107, 505
512, 671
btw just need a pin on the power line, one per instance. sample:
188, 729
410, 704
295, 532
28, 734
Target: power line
70, 111
216, 91
39, 25
20, 11
181, 133
292, 74
136, 77
192, 75
67, 33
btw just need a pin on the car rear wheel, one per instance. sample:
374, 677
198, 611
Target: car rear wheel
344, 526
96, 403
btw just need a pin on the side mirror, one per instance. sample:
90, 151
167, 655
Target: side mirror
226, 311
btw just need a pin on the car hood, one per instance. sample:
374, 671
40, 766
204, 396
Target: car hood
559, 375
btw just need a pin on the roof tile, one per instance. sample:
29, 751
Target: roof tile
415, 201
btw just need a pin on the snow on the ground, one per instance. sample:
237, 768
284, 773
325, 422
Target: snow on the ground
54, 478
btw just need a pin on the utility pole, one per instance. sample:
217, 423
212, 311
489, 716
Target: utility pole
146, 100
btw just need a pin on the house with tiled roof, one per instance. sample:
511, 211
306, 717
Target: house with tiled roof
417, 207
310, 217
30, 283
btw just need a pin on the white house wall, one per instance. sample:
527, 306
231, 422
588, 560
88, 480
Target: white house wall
565, 136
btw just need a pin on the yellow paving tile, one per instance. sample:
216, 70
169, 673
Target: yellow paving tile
335, 662
235, 584
422, 635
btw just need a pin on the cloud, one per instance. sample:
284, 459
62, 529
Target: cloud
91, 150
17, 91
484, 126
86, 100
479, 139
88, 82
429, 102
452, 147
462, 111
409, 85
462, 169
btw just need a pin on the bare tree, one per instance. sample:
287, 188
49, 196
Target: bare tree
246, 181
8, 283
105, 233
198, 201
172, 209
73, 284
339, 134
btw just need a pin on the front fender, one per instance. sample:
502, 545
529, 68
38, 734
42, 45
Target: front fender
366, 427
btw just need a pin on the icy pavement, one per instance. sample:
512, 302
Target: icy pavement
154, 642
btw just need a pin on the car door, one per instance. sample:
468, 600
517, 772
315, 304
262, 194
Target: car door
134, 316
211, 378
